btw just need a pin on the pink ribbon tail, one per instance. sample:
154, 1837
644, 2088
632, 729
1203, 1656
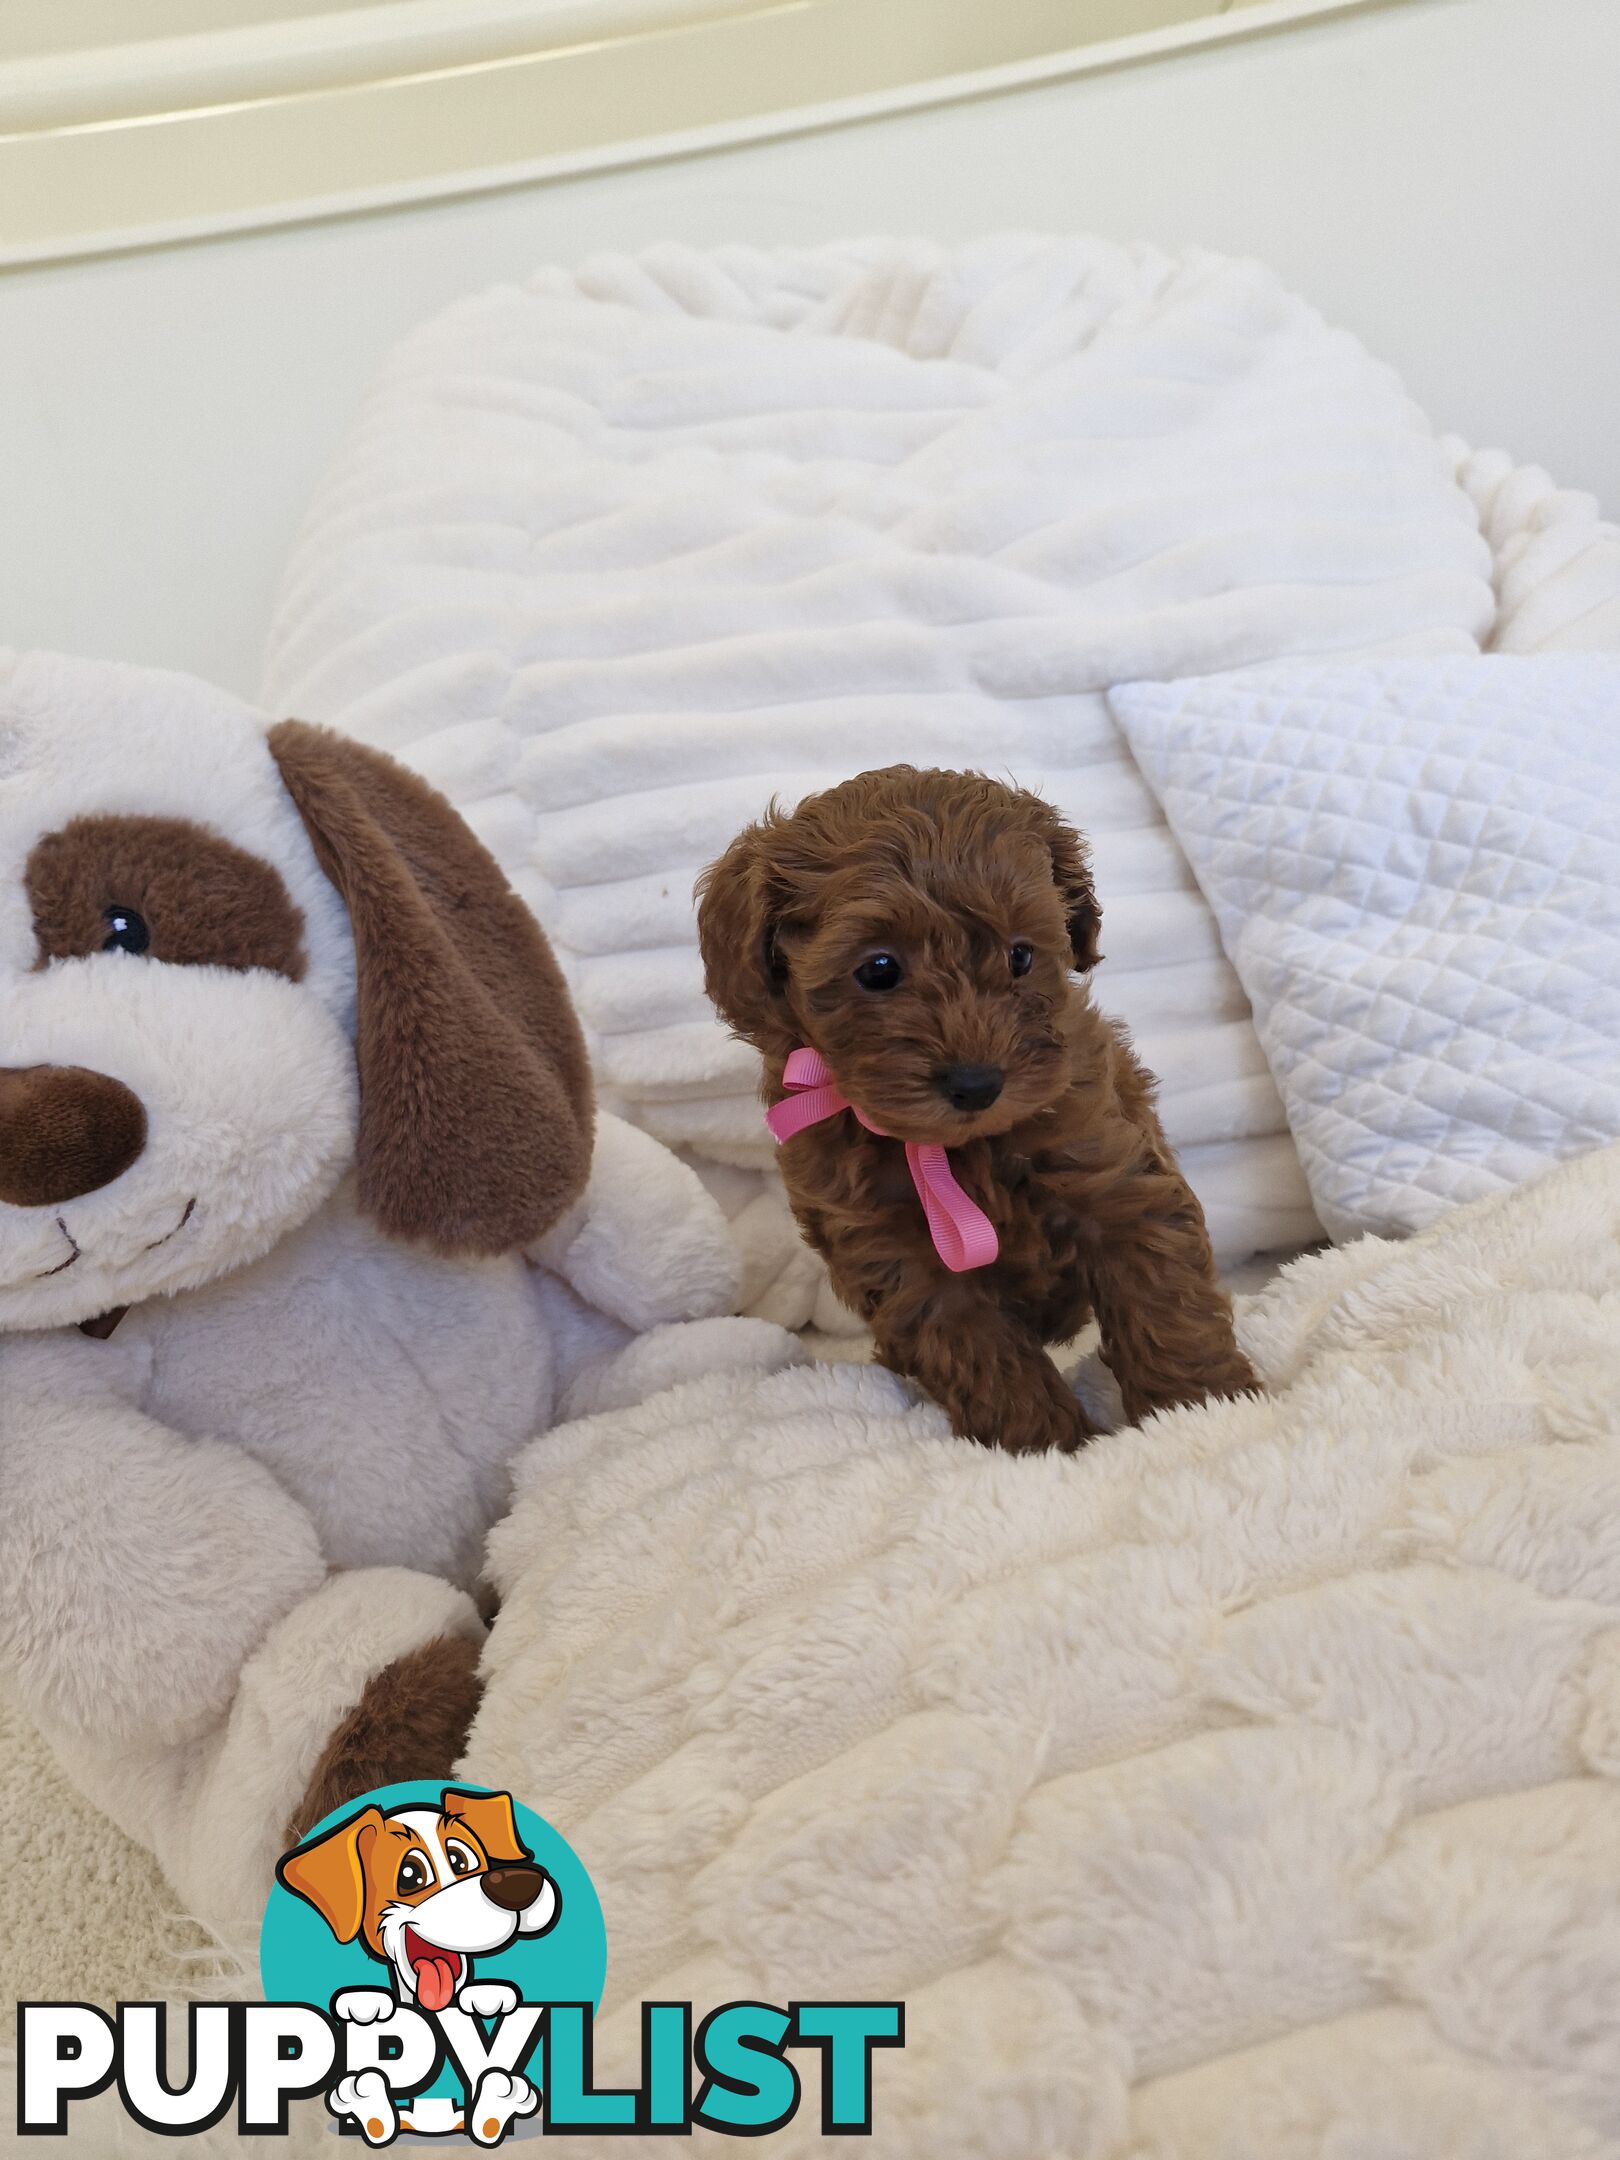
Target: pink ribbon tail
963, 1235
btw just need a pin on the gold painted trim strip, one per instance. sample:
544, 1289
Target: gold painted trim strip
238, 64
739, 71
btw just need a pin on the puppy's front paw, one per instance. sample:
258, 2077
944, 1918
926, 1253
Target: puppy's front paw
488, 1998
1066, 1435
501, 2098
363, 2006
1052, 1420
1226, 1380
1074, 1432
365, 2100
1237, 1377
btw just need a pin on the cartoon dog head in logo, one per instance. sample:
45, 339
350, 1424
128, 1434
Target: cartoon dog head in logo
425, 1890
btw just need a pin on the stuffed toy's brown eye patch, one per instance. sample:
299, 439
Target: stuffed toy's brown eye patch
163, 887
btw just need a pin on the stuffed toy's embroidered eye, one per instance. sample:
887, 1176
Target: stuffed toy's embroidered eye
413, 1875
1021, 957
462, 1862
882, 972
126, 931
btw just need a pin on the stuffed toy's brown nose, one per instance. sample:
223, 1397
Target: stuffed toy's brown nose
513, 1889
63, 1132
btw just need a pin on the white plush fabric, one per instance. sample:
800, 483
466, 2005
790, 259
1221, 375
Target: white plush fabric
1416, 866
1249, 1783
614, 555
1557, 559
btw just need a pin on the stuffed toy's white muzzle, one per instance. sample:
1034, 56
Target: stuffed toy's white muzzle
158, 1126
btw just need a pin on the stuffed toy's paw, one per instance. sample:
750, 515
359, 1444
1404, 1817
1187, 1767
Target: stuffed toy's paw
664, 1357
647, 1243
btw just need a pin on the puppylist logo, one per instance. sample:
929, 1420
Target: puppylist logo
432, 1958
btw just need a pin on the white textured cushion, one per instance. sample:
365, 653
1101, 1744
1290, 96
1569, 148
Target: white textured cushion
1417, 873
615, 555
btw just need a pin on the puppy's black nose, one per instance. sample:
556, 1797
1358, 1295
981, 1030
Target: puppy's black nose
513, 1889
970, 1087
64, 1132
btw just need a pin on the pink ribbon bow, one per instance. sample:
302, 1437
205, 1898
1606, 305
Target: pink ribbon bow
963, 1235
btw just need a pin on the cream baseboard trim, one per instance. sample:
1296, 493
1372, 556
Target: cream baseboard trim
373, 107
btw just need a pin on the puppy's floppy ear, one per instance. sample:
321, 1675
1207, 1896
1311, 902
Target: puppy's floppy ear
475, 1092
740, 900
331, 1873
490, 1818
1071, 872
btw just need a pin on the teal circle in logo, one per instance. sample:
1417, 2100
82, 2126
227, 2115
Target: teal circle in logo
317, 1944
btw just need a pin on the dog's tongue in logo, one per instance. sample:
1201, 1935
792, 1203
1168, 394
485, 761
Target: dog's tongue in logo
435, 1971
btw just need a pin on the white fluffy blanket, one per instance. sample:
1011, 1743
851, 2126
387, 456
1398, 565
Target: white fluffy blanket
614, 555
1249, 1784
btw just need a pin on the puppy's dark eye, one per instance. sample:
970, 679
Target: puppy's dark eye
126, 931
413, 1875
882, 972
1021, 957
461, 1860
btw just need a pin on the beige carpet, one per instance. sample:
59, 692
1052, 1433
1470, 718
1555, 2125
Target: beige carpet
84, 1914
86, 1917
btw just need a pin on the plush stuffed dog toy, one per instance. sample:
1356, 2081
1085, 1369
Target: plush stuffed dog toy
300, 1239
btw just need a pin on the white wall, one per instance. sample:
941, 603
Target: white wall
1444, 177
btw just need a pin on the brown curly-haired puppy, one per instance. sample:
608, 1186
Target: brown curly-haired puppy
921, 931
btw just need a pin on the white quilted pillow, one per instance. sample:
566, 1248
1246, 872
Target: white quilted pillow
1416, 868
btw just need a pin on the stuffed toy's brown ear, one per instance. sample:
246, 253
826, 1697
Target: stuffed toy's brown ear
475, 1091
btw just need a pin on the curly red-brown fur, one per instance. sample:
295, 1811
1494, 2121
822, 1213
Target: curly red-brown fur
946, 872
